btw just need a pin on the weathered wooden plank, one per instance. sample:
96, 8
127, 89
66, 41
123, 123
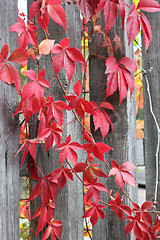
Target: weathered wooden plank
150, 131
123, 137
69, 202
9, 169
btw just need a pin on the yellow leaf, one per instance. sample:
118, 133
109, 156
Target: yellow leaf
136, 2
23, 69
89, 232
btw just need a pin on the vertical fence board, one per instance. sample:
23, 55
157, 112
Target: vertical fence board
123, 137
69, 201
9, 169
150, 132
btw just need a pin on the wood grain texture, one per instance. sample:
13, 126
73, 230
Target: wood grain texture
69, 201
150, 132
9, 133
122, 139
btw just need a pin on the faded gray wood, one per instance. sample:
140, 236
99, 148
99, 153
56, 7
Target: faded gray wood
123, 137
150, 132
9, 134
69, 201
139, 152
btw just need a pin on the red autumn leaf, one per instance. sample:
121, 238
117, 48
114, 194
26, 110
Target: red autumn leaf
19, 55
28, 146
28, 107
61, 175
79, 104
8, 73
94, 212
80, 167
118, 76
116, 205
132, 24
54, 109
93, 189
32, 168
46, 215
53, 187
44, 9
136, 19
148, 5
86, 169
88, 175
122, 174
89, 169
67, 150
137, 225
146, 29
41, 188
110, 12
36, 86
38, 212
43, 121
156, 226
102, 119
147, 205
97, 171
87, 7
144, 215
98, 149
66, 57
51, 135
42, 220
26, 33
25, 209
150, 234
54, 229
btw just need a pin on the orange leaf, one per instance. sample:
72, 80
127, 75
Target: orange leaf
45, 46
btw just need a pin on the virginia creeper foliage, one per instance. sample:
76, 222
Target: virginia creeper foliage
34, 100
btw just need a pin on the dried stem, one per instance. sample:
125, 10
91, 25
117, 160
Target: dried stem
74, 172
65, 93
76, 117
158, 129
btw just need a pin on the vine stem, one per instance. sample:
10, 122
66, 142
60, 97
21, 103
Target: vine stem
87, 229
126, 5
151, 211
158, 130
65, 93
100, 56
76, 117
74, 172
84, 183
121, 189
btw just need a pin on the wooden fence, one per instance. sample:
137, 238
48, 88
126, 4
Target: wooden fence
123, 139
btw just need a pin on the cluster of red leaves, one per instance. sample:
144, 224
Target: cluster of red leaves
101, 118
50, 112
77, 103
44, 9
122, 173
136, 19
89, 169
26, 33
66, 57
116, 205
119, 76
8, 73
